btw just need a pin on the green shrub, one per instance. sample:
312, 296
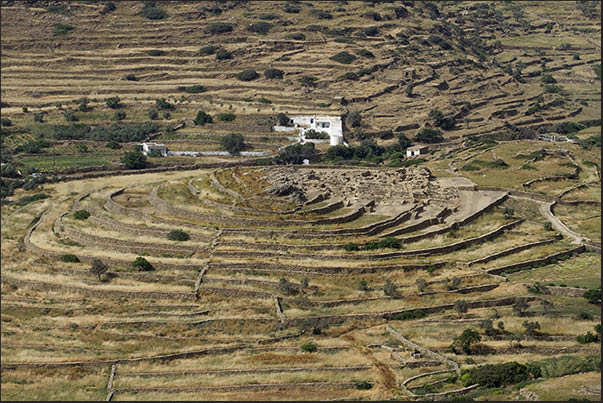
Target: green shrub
153, 114
365, 53
269, 16
202, 118
134, 160
291, 9
247, 75
219, 28
273, 73
226, 117
119, 115
428, 135
309, 81
593, 296
81, 215
314, 135
321, 14
113, 102
559, 366
233, 143
351, 247
364, 385
548, 226
343, 57
162, 103
223, 54
585, 316
193, 89
209, 50
155, 52
350, 75
263, 100
114, 145
69, 258
142, 264
261, 28
296, 36
61, 29
178, 235
309, 347
372, 15
295, 154
371, 31
153, 13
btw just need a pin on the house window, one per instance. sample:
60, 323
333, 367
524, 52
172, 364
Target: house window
312, 120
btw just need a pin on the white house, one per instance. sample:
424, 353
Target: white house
416, 150
148, 147
328, 124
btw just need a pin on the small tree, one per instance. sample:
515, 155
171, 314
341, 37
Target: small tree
119, 115
142, 264
461, 307
98, 268
362, 286
162, 103
283, 120
354, 119
134, 160
421, 284
309, 347
233, 143
593, 296
113, 102
390, 288
178, 235
70, 116
203, 118
520, 307
465, 340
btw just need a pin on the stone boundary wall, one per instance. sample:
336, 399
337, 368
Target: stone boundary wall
515, 249
565, 291
539, 262
114, 207
124, 246
466, 290
557, 178
243, 371
248, 387
519, 193
250, 266
216, 183
161, 206
425, 351
43, 286
235, 292
111, 224
571, 189
578, 202
323, 210
426, 222
390, 255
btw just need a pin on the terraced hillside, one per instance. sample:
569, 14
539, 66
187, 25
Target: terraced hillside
279, 288
484, 67
472, 271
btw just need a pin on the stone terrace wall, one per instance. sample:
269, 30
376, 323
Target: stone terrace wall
537, 262
515, 249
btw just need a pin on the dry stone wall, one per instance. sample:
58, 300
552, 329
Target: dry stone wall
537, 262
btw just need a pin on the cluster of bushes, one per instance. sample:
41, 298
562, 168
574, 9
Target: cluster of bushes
33, 147
497, 375
408, 315
353, 76
441, 121
370, 151
119, 132
155, 52
61, 29
295, 154
142, 264
25, 200
321, 14
389, 243
593, 296
476, 165
314, 135
429, 135
226, 117
134, 160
